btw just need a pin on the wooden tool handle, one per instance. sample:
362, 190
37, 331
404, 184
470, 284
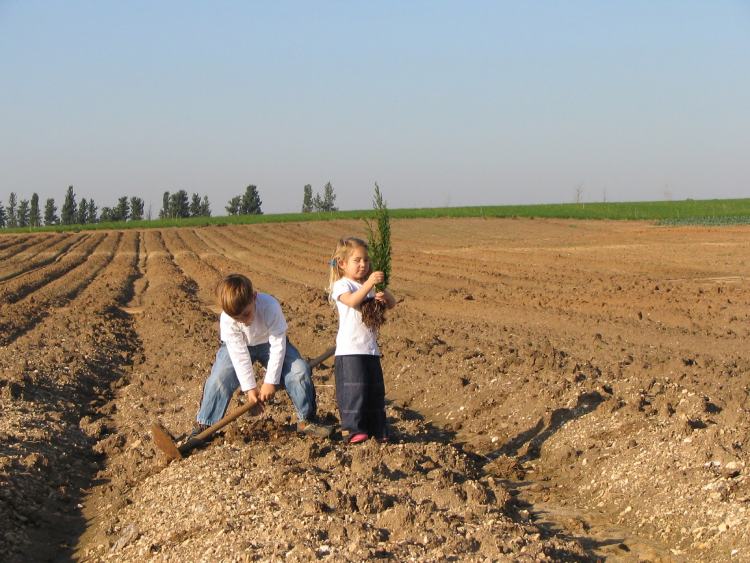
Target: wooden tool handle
315, 362
239, 411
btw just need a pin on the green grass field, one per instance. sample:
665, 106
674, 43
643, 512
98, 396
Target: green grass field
685, 212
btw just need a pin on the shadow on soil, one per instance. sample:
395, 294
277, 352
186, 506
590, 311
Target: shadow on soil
41, 506
541, 431
537, 435
47, 480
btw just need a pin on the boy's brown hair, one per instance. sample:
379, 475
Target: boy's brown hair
235, 293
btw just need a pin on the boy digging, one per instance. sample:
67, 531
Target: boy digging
253, 328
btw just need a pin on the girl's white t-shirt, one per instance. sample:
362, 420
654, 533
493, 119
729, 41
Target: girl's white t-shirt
353, 336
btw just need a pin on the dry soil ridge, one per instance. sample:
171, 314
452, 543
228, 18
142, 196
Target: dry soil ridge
593, 370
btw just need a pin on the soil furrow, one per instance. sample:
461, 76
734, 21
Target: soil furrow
21, 316
257, 259
47, 456
18, 244
558, 389
69, 244
167, 319
10, 241
173, 366
13, 290
231, 261
308, 263
46, 248
202, 274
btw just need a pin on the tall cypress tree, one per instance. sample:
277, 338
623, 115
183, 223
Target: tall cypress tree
68, 211
82, 216
164, 212
11, 209
307, 199
50, 212
23, 213
195, 205
329, 198
91, 212
35, 218
205, 207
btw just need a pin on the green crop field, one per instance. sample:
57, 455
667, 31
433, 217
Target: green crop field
685, 212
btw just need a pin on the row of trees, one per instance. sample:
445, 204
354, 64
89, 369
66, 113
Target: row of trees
176, 205
27, 213
325, 202
246, 204
20, 214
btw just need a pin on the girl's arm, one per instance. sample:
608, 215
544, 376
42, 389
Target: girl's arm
354, 299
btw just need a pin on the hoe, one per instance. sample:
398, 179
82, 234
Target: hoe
166, 443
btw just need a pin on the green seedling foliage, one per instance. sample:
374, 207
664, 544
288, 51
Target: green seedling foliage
380, 241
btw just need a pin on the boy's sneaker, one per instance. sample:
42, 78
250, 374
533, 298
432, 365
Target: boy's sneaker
197, 429
314, 429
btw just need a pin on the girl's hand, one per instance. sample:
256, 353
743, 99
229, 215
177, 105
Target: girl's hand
375, 278
387, 298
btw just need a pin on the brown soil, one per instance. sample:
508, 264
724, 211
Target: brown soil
558, 390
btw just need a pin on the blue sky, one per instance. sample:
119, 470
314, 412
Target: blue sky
441, 103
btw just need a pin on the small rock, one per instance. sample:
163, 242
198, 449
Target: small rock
129, 534
731, 469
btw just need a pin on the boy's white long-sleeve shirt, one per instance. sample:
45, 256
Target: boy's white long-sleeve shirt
268, 325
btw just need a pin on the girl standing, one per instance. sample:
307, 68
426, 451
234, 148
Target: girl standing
360, 391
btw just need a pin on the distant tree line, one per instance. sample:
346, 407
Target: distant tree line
248, 203
25, 213
175, 205
325, 202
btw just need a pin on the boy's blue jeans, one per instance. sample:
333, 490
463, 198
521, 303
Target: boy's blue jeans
296, 377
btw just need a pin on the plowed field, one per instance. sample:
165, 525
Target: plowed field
558, 390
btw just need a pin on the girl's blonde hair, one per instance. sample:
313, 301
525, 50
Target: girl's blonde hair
343, 250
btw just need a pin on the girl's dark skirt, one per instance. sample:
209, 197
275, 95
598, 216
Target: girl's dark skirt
360, 395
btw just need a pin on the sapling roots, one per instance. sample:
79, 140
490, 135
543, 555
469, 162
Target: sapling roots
373, 313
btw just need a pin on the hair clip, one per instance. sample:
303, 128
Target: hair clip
332, 263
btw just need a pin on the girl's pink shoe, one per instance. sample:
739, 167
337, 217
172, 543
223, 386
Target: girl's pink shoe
357, 438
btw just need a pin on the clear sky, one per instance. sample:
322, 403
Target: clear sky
442, 103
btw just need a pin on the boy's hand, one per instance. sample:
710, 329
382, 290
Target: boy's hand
375, 278
253, 397
267, 391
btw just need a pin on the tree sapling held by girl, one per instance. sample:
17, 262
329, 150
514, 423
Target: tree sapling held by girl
379, 243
